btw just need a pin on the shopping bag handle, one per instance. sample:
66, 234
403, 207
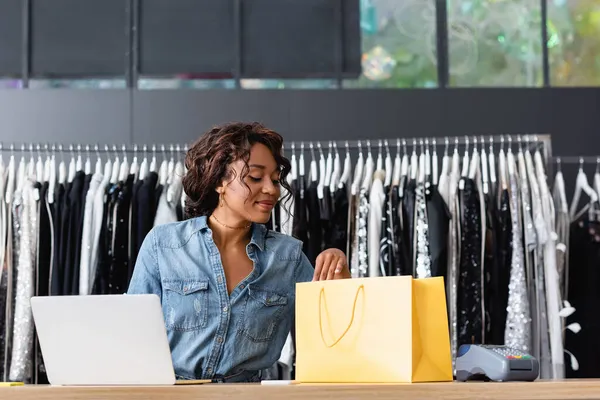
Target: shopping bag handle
361, 289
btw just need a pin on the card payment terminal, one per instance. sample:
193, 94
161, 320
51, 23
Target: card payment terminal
496, 363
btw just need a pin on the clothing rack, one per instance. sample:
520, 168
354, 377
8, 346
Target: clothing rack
96, 148
467, 140
431, 141
576, 160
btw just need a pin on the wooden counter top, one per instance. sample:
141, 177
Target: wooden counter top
568, 389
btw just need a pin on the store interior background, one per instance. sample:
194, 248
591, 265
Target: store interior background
429, 69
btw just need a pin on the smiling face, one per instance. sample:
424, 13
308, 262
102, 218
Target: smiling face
251, 193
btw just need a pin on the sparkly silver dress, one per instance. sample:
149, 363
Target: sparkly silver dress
517, 333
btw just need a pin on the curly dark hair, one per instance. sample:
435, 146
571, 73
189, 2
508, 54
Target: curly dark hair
208, 162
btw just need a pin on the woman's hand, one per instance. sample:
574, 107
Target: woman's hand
331, 264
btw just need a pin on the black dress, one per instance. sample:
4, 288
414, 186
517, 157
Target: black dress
300, 224
73, 235
439, 219
339, 219
497, 287
119, 266
315, 232
584, 296
408, 219
469, 281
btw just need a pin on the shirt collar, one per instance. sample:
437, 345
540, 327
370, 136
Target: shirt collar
259, 231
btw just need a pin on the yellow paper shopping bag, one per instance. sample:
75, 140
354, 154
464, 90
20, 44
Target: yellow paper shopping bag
389, 329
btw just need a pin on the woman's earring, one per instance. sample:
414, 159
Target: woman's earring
221, 200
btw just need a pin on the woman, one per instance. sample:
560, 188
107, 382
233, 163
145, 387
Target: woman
226, 283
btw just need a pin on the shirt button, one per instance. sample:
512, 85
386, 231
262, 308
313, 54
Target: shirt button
219, 339
209, 370
219, 279
225, 309
241, 286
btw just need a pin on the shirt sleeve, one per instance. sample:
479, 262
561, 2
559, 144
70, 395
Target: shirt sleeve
146, 276
304, 269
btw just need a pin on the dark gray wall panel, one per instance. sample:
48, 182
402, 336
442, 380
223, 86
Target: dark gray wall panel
79, 37
166, 116
186, 36
65, 116
11, 35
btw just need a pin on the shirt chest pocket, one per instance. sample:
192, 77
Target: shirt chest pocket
263, 314
186, 304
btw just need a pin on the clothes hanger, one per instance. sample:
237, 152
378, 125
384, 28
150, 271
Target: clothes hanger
79, 161
455, 171
322, 172
414, 161
444, 177
301, 161
107, 167
98, 167
434, 164
405, 165
347, 168
62, 166
31, 170
421, 168
389, 168
88, 162
484, 168
473, 167
115, 167
337, 169
47, 163
510, 158
397, 172
314, 174
124, 170
51, 174
559, 184
163, 171
153, 162
294, 164
465, 165
502, 165
135, 167
21, 170
72, 165
427, 161
581, 185
144, 167
358, 171
39, 165
328, 167
369, 169
492, 164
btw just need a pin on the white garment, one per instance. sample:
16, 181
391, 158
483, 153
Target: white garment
286, 208
88, 235
552, 280
3, 219
98, 214
166, 211
376, 200
21, 362
286, 360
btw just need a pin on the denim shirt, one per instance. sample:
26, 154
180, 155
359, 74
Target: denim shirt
214, 334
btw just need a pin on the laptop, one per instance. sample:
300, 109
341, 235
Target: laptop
103, 340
